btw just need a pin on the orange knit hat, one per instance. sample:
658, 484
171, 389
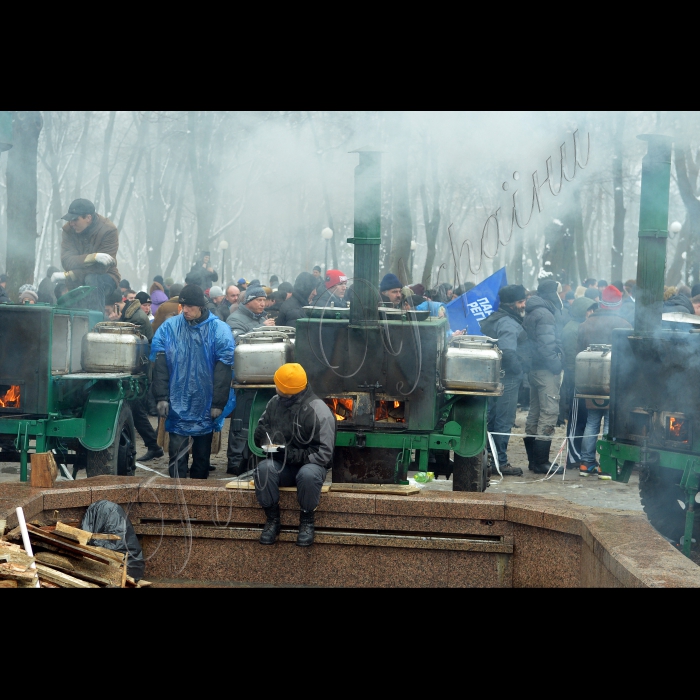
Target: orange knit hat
291, 378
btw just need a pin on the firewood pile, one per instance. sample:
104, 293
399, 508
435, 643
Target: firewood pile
63, 559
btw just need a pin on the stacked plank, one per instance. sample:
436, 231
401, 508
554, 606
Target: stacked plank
64, 559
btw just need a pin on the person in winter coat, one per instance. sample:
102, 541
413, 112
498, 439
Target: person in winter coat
598, 329
193, 356
133, 313
248, 317
297, 419
89, 247
46, 287
580, 310
202, 274
543, 332
251, 314
158, 296
506, 326
678, 303
168, 308
304, 291
334, 295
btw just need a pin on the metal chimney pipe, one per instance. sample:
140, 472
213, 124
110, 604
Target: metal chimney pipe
653, 232
367, 230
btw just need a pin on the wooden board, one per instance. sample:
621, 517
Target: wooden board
62, 579
44, 470
250, 486
82, 536
97, 553
392, 489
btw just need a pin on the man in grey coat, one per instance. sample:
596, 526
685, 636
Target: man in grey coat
249, 316
544, 333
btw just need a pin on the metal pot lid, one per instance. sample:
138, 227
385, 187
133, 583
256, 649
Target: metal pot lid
116, 327
472, 341
268, 334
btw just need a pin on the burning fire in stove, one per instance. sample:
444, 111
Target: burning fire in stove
390, 411
10, 399
342, 408
677, 429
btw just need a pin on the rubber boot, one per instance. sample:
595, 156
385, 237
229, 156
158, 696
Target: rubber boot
541, 456
306, 528
271, 530
529, 443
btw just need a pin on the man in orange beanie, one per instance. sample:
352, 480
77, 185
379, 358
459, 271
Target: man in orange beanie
304, 429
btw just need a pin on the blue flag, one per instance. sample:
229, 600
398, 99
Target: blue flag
476, 304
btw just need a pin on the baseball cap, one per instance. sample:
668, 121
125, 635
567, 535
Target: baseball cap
335, 277
78, 208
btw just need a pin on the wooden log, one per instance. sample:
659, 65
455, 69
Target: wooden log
16, 572
216, 443
81, 536
62, 579
44, 470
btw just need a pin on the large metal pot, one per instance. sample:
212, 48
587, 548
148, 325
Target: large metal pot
593, 371
260, 353
114, 347
472, 363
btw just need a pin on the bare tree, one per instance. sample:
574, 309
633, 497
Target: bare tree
617, 252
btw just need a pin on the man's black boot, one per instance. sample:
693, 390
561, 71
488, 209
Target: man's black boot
529, 446
272, 526
306, 528
152, 453
542, 460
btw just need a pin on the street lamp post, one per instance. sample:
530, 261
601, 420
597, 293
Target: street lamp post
223, 245
326, 234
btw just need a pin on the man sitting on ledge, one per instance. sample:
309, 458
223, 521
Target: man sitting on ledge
304, 427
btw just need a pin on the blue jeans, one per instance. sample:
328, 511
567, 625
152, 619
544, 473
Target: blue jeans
590, 434
101, 286
502, 411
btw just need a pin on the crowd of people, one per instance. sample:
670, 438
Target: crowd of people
540, 333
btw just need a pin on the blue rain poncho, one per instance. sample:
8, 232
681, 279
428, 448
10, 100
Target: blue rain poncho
191, 353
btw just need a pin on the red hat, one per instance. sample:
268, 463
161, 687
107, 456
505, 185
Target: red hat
612, 297
334, 277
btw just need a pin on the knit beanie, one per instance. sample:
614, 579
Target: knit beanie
612, 297
28, 295
418, 289
192, 295
389, 281
290, 378
335, 277
216, 292
253, 293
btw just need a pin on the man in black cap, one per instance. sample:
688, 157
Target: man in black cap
506, 325
89, 252
193, 355
145, 300
542, 314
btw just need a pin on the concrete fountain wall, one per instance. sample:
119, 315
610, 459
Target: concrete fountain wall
201, 531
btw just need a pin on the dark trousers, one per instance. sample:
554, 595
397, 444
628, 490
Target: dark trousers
502, 410
578, 414
270, 475
102, 286
237, 452
142, 424
178, 451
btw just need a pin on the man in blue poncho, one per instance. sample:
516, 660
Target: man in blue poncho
193, 355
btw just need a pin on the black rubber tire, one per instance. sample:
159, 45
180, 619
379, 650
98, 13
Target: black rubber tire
660, 492
470, 473
119, 459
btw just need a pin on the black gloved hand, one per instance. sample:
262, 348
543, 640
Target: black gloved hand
295, 455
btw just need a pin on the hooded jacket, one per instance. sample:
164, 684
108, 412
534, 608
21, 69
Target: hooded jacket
679, 303
78, 251
598, 327
543, 333
133, 313
306, 428
293, 308
506, 325
193, 371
